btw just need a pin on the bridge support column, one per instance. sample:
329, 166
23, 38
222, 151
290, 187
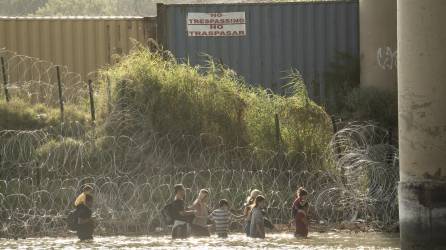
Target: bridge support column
422, 123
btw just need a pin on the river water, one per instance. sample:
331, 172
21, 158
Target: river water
330, 240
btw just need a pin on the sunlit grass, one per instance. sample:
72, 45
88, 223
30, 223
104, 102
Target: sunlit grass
153, 94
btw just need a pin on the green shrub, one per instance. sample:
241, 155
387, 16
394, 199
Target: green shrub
353, 102
19, 115
152, 94
63, 157
368, 103
342, 77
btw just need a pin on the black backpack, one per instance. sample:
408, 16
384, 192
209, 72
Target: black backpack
72, 220
166, 214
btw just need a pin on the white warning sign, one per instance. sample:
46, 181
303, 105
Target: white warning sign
216, 24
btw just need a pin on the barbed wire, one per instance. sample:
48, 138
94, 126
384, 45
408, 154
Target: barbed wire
35, 81
129, 202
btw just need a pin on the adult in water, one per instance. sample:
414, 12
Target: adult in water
199, 224
86, 224
182, 218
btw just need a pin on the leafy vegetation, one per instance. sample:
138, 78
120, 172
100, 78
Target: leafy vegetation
342, 77
153, 95
75, 7
19, 115
355, 103
163, 113
372, 104
20, 7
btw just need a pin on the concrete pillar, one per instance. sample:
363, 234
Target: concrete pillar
377, 42
422, 123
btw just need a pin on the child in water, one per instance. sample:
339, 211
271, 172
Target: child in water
222, 218
300, 210
248, 207
257, 227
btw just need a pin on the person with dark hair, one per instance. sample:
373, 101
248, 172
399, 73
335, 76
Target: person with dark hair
86, 190
181, 218
86, 223
222, 218
300, 210
257, 227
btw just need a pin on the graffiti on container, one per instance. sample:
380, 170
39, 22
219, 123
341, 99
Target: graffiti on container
386, 58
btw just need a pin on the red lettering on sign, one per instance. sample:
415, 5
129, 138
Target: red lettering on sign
216, 14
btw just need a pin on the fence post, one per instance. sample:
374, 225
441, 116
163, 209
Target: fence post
61, 102
109, 94
90, 90
278, 136
5, 80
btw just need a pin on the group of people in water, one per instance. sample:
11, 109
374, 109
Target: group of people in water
193, 220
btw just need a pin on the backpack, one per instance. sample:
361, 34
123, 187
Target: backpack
72, 220
166, 214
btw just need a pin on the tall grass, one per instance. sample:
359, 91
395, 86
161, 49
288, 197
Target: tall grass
155, 94
19, 115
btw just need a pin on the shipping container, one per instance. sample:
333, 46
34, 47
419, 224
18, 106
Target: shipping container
263, 41
83, 44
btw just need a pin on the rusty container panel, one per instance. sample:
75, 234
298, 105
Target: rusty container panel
83, 44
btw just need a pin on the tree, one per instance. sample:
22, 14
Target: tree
136, 7
20, 7
77, 8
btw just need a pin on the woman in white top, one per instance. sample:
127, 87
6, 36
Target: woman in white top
199, 224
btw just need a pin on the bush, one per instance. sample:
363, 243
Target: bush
342, 77
152, 94
64, 157
353, 102
19, 115
368, 103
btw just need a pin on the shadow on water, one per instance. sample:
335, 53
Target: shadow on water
331, 240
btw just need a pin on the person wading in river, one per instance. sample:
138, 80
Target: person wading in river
86, 190
248, 207
222, 217
300, 210
257, 227
199, 224
182, 218
86, 224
